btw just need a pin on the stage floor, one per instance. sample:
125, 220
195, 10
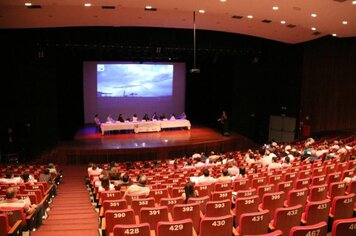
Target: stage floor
88, 144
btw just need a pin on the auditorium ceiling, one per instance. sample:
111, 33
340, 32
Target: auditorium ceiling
289, 21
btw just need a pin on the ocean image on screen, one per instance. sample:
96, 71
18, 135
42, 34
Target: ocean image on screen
134, 80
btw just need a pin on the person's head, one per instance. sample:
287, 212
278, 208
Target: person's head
287, 159
50, 165
25, 176
93, 167
242, 171
105, 182
46, 171
96, 115
225, 172
9, 174
274, 159
198, 159
125, 178
11, 192
206, 172
251, 156
143, 180
189, 162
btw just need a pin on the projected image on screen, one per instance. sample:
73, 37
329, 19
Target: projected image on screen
134, 80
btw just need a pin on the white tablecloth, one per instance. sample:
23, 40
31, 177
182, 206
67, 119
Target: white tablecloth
149, 126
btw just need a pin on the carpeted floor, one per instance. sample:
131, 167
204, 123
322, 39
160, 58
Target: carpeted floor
71, 211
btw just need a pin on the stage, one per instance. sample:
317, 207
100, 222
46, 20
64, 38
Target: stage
89, 146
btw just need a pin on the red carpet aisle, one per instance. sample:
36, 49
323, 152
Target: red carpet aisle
72, 213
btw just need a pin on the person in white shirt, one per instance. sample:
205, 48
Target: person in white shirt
199, 164
10, 179
140, 188
205, 178
109, 119
233, 170
274, 165
173, 117
286, 162
134, 118
225, 176
251, 158
188, 165
266, 159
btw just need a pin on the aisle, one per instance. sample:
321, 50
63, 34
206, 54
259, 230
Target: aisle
71, 211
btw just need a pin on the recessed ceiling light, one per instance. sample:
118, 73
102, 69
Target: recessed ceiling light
148, 7
87, 4
28, 4
344, 22
275, 8
201, 11
250, 16
313, 15
313, 28
222, 0
354, 2
283, 21
334, 35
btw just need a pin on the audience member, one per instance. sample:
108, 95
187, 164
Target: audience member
189, 192
274, 165
225, 176
139, 188
10, 179
205, 178
121, 118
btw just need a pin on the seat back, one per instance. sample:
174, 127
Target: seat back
316, 212
153, 215
221, 195
297, 196
171, 202
344, 227
256, 182
36, 186
342, 207
204, 189
120, 217
286, 218
130, 197
285, 187
261, 190
213, 226
137, 204
302, 183
132, 229
4, 225
304, 174
274, 233
31, 197
108, 195
333, 177
351, 188
241, 184
245, 205
36, 192
201, 200
318, 180
248, 222
175, 228
246, 193
157, 194
317, 193
274, 179
320, 229
272, 201
290, 177
14, 214
218, 208
336, 189
188, 211
114, 205
177, 192
222, 186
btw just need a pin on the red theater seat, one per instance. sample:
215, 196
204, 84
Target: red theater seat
344, 227
319, 229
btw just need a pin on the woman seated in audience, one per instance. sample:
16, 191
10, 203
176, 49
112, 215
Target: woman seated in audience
189, 192
242, 173
27, 178
105, 185
274, 165
286, 162
225, 176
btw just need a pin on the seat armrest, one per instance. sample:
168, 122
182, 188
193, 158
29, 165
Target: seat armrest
16, 229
